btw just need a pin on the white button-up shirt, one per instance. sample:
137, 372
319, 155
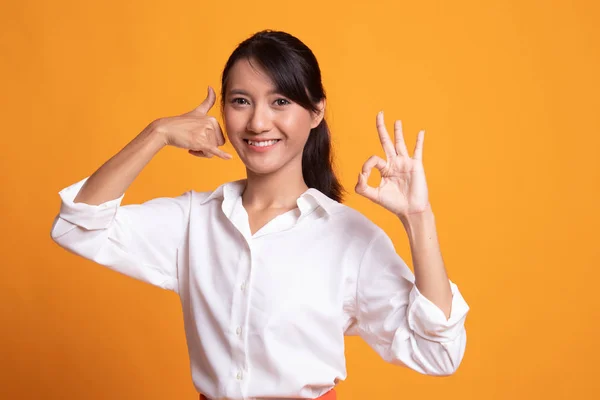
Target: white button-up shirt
265, 314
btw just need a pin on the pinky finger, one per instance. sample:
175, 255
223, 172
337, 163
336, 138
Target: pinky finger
418, 154
220, 153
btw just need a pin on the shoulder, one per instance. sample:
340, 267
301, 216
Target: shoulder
354, 224
348, 223
342, 216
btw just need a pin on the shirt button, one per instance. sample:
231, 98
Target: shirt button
239, 376
238, 331
243, 286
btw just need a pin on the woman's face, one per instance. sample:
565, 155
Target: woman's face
267, 130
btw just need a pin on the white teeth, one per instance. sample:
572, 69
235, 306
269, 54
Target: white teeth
262, 144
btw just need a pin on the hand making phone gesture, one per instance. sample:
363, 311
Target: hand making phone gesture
195, 131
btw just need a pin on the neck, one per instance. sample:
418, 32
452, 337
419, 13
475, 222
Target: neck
277, 190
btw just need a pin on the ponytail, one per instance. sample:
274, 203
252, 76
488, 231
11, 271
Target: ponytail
317, 163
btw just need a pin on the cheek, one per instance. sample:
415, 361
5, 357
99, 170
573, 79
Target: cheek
296, 126
233, 122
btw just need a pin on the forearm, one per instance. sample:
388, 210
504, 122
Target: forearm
113, 178
430, 273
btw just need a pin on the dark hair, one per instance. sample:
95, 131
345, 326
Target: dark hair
296, 74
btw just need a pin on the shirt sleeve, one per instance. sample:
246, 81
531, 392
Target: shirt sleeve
398, 322
138, 240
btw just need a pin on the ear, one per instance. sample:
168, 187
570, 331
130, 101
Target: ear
318, 116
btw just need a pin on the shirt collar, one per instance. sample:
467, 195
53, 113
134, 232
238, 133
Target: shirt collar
227, 190
320, 199
308, 201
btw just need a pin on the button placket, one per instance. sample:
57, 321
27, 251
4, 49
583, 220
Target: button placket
237, 321
242, 373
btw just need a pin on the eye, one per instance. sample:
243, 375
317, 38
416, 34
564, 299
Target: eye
239, 100
282, 102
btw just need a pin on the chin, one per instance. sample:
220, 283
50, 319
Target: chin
265, 166
268, 164
262, 169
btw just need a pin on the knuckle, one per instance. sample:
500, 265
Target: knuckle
212, 123
202, 135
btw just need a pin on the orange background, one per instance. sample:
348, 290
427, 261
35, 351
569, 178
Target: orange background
506, 90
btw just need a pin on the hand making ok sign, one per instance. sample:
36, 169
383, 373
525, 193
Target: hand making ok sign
403, 188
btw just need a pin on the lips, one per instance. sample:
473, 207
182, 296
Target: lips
261, 142
261, 145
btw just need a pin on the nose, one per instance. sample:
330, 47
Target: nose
260, 120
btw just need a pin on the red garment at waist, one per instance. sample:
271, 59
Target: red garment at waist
327, 396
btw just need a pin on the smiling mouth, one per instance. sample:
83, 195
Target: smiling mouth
261, 143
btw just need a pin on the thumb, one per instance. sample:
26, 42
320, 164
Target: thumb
207, 104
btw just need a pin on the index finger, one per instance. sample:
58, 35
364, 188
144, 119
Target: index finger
384, 137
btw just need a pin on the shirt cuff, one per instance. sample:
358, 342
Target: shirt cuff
428, 321
87, 216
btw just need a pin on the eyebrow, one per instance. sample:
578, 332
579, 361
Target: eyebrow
244, 93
